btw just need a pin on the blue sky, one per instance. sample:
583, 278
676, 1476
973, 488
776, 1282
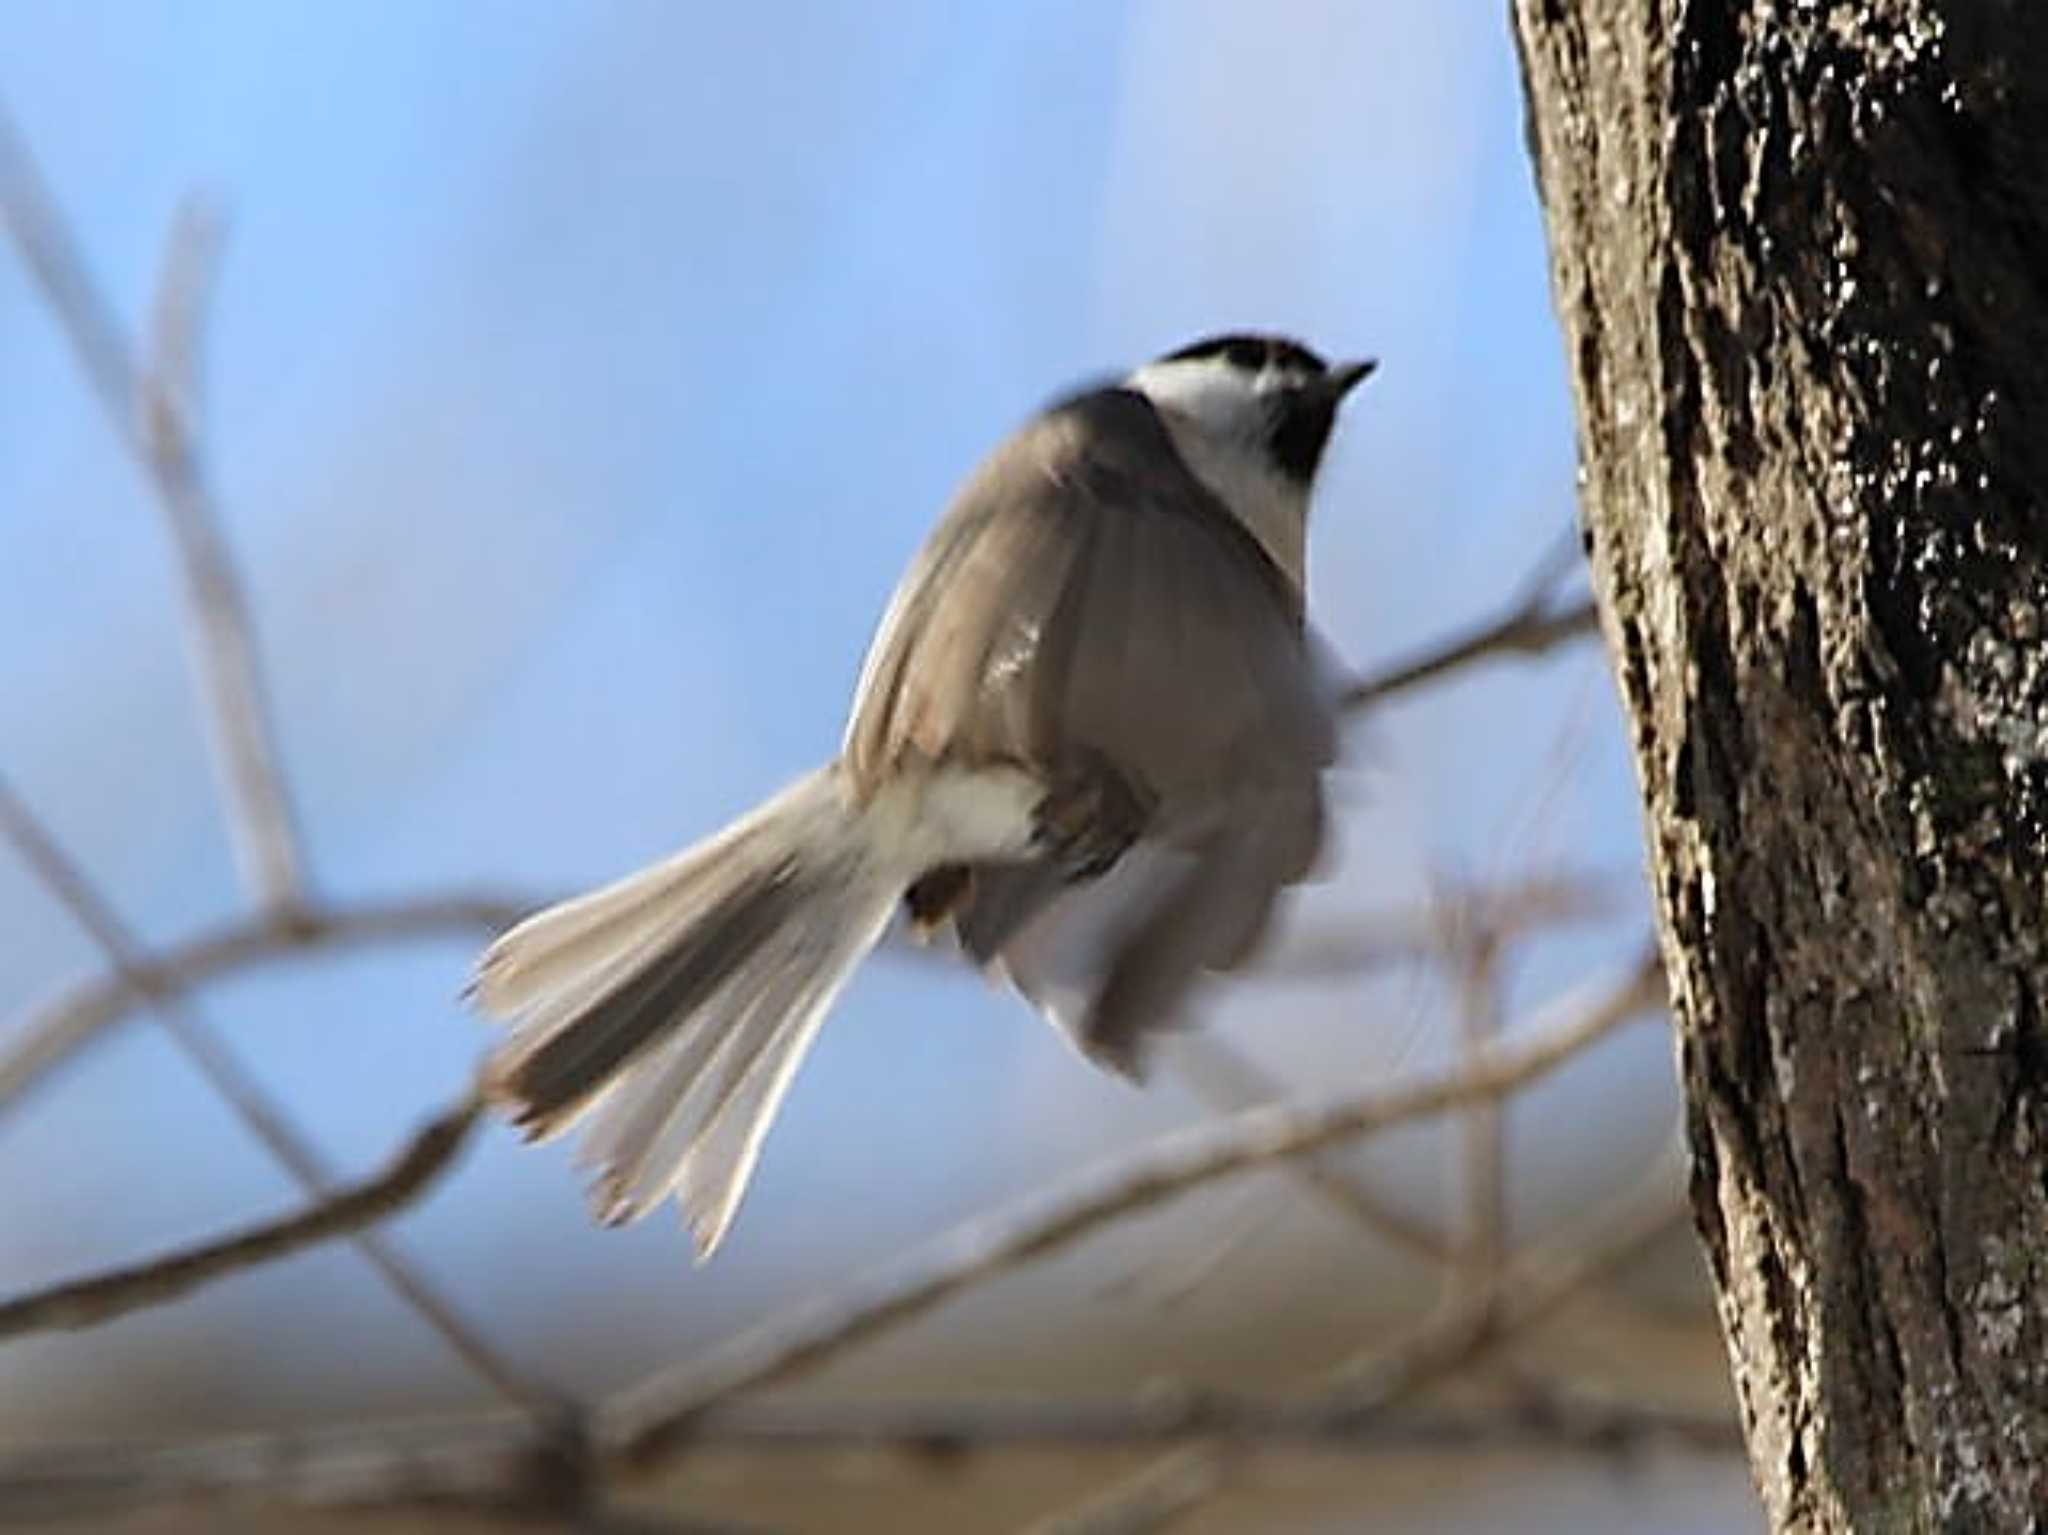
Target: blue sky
580, 380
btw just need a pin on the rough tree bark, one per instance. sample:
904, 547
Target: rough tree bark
1800, 250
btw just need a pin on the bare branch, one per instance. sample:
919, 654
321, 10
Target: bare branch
1160, 1282
1229, 1083
653, 1419
482, 1462
499, 1462
145, 404
184, 293
72, 1020
264, 1118
102, 1297
1153, 1498
54, 260
1157, 1417
1485, 1234
641, 1521
1529, 629
1208, 1426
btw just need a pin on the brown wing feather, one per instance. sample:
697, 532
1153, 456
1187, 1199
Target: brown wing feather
950, 670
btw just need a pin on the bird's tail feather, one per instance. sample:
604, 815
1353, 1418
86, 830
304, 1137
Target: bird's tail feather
674, 1007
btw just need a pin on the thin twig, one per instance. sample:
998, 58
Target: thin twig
145, 405
1564, 554
73, 1019
1228, 1082
1165, 1280
654, 1418
1484, 1237
185, 285
154, 1281
263, 1117
1527, 630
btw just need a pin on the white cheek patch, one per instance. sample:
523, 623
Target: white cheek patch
1207, 390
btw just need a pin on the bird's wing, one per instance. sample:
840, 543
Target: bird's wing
1087, 602
1085, 593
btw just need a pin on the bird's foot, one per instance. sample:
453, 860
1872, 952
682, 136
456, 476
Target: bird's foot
1091, 815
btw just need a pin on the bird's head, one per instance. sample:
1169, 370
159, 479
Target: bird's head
1263, 393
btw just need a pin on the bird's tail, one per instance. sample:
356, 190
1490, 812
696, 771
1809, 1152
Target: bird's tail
674, 1006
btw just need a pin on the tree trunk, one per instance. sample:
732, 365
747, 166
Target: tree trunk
1800, 251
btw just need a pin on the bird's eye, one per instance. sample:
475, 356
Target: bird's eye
1248, 355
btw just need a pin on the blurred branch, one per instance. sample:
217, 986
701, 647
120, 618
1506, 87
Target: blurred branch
490, 1462
74, 1018
497, 1462
1163, 1491
185, 287
640, 1521
1153, 1498
264, 1119
1483, 1240
102, 1297
653, 1419
147, 406
1228, 1082
938, 1430
1533, 624
1162, 1281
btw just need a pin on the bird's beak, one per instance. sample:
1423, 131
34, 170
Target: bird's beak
1347, 376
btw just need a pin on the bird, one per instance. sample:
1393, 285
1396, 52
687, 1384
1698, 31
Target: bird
1088, 741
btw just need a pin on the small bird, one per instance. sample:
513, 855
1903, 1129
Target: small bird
1089, 737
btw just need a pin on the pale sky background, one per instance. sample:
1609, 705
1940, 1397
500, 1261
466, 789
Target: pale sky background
580, 379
